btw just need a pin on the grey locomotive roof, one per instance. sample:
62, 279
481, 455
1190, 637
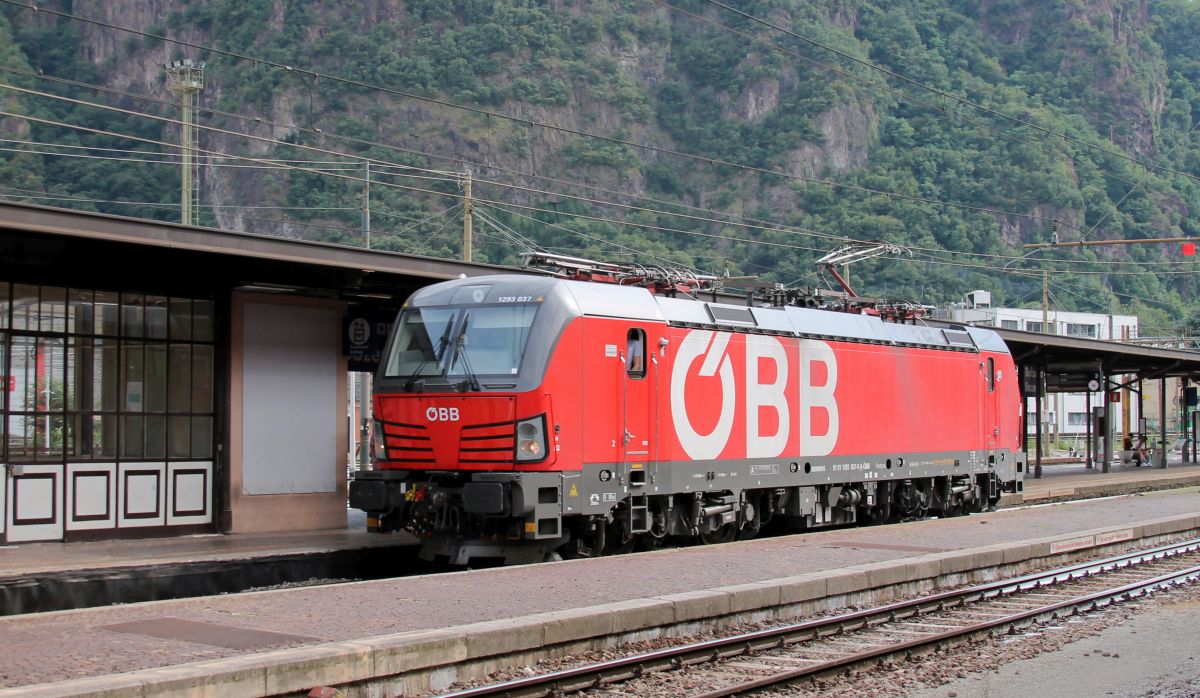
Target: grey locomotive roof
612, 300
636, 303
806, 322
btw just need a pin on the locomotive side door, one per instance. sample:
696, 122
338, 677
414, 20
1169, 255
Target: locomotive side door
991, 427
637, 440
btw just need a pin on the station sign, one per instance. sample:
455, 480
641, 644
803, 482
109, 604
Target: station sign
364, 338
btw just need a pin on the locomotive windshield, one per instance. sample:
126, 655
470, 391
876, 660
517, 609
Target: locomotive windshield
457, 342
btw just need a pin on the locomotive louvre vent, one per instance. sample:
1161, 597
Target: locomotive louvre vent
731, 315
959, 338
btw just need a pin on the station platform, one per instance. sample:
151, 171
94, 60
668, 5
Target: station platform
1071, 478
1061, 478
32, 559
289, 640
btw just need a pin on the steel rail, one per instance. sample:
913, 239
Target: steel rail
1088, 601
592, 675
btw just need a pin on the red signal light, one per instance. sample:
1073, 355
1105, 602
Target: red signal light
1189, 249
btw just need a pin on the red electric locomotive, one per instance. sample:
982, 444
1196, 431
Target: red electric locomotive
522, 417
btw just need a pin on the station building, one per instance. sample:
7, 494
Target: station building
163, 380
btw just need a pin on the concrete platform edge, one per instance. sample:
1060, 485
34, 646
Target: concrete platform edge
298, 669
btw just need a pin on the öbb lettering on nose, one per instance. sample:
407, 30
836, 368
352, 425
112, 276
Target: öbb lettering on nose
442, 414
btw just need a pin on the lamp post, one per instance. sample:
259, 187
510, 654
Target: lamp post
187, 80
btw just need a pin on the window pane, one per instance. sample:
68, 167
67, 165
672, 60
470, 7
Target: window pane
178, 437
202, 379
23, 395
25, 304
179, 379
133, 312
181, 318
156, 436
54, 309
106, 382
156, 378
48, 437
202, 437
106, 313
79, 370
20, 438
202, 321
80, 319
50, 372
4, 305
104, 436
132, 378
131, 436
79, 442
156, 317
70, 430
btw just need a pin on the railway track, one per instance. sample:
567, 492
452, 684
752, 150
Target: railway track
757, 661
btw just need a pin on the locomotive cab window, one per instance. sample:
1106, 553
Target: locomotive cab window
419, 346
635, 353
490, 340
456, 342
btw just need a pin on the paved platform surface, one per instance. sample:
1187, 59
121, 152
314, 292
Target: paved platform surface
228, 631
1075, 479
31, 559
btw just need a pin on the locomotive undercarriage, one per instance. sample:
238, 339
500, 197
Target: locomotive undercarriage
719, 517
529, 517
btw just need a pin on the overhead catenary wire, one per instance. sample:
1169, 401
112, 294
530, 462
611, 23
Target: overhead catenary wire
519, 120
444, 193
947, 251
526, 207
744, 221
953, 252
280, 164
316, 167
750, 223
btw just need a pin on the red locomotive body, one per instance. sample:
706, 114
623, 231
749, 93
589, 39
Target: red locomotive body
522, 416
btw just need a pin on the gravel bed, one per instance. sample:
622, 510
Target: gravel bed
891, 679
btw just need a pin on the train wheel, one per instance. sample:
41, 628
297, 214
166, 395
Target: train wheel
725, 534
619, 539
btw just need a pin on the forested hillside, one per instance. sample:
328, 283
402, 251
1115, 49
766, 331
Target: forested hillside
743, 137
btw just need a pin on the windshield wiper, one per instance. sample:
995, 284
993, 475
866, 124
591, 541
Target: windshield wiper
438, 351
460, 350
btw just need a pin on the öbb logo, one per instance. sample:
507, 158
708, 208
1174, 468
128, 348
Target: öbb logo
754, 391
442, 414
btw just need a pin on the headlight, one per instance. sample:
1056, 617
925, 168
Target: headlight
531, 439
378, 449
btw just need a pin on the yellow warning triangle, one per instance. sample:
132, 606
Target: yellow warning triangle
574, 492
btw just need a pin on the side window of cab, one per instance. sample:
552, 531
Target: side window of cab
635, 353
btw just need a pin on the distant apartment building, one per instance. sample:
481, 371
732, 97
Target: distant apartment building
978, 310
1064, 415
